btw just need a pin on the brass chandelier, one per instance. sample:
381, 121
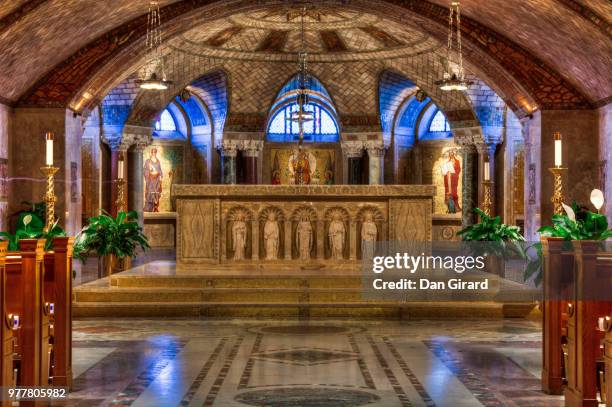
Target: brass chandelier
454, 75
149, 78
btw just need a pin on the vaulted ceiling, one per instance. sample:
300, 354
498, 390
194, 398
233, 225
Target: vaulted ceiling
557, 53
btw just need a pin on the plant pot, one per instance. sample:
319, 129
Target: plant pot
110, 264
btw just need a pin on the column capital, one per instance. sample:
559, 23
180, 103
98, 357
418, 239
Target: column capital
375, 148
251, 148
229, 148
352, 149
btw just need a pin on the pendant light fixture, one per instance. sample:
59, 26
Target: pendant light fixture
150, 79
302, 116
454, 75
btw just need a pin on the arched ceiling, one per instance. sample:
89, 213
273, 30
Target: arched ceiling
557, 52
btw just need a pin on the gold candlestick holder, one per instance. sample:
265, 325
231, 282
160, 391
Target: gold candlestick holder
487, 203
557, 197
49, 171
120, 202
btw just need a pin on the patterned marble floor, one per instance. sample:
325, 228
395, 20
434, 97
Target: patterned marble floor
306, 364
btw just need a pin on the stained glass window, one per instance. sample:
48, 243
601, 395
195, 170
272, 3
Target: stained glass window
322, 128
166, 122
439, 123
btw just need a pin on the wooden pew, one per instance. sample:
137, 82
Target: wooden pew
556, 265
25, 298
584, 339
608, 363
58, 292
7, 339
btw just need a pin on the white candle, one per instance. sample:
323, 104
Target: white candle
120, 169
49, 151
600, 324
487, 171
558, 150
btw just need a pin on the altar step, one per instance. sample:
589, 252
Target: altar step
220, 294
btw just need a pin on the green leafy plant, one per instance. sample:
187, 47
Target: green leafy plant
105, 235
490, 229
578, 223
31, 226
501, 240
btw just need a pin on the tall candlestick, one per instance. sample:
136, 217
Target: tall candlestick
558, 150
120, 168
49, 149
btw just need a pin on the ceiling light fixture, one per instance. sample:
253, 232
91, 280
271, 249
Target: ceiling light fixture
149, 79
454, 76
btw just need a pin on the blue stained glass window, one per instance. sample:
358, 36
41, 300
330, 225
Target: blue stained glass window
439, 123
166, 122
322, 128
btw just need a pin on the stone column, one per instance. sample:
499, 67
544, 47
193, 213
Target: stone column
321, 236
353, 152
255, 240
251, 150
469, 192
137, 182
376, 154
353, 240
228, 162
288, 239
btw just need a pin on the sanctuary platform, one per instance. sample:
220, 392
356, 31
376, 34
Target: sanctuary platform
160, 289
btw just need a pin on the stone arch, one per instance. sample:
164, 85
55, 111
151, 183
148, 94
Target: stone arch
263, 214
308, 211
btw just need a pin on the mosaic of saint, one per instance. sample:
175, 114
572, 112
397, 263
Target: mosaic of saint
308, 166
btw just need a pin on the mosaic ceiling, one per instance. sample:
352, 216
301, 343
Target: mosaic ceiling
330, 35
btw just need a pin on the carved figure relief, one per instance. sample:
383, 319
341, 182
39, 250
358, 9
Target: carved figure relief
238, 221
304, 238
370, 221
271, 237
337, 236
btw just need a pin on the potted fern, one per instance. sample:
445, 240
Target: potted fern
114, 240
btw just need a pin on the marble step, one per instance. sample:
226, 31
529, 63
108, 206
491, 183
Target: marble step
416, 310
238, 281
151, 294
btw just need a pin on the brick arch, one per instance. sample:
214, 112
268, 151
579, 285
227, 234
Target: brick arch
524, 81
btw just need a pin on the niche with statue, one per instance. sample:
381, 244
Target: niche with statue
239, 234
337, 223
304, 232
271, 234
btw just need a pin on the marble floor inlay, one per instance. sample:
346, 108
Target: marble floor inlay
181, 362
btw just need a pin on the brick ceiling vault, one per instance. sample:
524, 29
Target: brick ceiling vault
511, 69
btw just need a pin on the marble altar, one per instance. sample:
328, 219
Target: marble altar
319, 225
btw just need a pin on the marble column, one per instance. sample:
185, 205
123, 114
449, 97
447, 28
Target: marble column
137, 183
469, 192
355, 170
250, 151
228, 163
376, 154
353, 152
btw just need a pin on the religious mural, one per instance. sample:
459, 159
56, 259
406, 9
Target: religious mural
163, 166
447, 179
315, 166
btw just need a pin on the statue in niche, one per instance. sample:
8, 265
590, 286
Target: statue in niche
369, 231
304, 238
271, 237
337, 234
239, 237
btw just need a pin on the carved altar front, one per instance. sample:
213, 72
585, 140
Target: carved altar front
295, 224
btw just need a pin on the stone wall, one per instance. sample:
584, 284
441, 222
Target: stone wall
605, 154
5, 116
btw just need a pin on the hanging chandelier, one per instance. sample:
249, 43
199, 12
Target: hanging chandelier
149, 79
454, 75
301, 116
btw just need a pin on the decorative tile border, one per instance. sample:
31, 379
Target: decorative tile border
203, 373
399, 391
214, 391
